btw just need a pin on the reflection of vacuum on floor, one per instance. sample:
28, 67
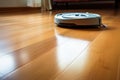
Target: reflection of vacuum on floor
78, 19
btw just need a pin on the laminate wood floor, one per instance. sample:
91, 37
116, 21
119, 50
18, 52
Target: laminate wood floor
32, 47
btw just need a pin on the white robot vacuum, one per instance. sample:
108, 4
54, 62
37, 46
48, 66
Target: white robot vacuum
82, 19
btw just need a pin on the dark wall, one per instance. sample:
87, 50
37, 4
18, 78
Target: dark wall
75, 5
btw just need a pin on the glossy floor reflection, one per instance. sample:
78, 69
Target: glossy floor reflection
7, 63
71, 50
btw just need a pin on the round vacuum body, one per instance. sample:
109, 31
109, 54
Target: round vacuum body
77, 19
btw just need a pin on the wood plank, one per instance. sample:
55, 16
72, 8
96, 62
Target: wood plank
60, 41
23, 32
23, 56
24, 39
52, 62
99, 61
118, 71
43, 45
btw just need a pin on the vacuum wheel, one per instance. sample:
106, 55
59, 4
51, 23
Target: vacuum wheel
102, 26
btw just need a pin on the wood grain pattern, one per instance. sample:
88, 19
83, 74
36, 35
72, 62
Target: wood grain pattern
118, 71
32, 47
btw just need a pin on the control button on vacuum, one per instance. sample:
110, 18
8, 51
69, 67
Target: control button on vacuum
76, 14
83, 15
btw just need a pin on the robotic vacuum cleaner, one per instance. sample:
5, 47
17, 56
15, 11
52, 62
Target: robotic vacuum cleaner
74, 19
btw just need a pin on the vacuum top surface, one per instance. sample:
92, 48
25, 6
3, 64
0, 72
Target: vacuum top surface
76, 15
